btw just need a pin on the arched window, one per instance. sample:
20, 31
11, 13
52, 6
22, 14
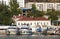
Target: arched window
47, 23
41, 23
18, 23
24, 23
21, 23
37, 23
30, 23
44, 23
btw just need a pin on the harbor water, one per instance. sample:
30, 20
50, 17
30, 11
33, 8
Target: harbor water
29, 37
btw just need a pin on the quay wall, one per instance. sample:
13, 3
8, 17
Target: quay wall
54, 26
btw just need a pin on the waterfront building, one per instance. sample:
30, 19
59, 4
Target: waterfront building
33, 22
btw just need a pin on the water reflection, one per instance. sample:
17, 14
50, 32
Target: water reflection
29, 37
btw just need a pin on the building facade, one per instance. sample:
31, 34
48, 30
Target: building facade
40, 4
21, 2
32, 22
42, 1
5, 1
44, 6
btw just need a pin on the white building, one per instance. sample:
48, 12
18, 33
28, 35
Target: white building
44, 6
33, 22
21, 2
5, 1
39, 5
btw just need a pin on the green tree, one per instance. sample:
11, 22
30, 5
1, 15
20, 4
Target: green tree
35, 13
33, 7
14, 7
6, 12
52, 14
5, 15
57, 13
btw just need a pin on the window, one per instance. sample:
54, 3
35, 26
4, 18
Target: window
47, 23
21, 23
41, 23
41, 6
37, 23
28, 24
44, 23
0, 2
49, 6
24, 23
58, 6
31, 23
18, 23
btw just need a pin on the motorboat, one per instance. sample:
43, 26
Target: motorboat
25, 30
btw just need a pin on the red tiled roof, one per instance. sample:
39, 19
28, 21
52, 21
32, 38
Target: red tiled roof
35, 0
42, 0
22, 18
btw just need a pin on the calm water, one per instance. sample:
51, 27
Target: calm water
30, 37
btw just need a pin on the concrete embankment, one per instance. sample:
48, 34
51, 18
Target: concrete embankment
2, 32
54, 26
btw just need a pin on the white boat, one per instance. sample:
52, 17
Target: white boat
12, 30
25, 30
